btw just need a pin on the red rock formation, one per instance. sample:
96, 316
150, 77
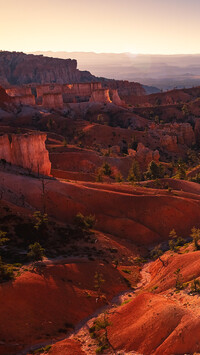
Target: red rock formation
82, 89
172, 97
27, 100
100, 95
169, 143
197, 130
116, 99
124, 87
19, 68
52, 100
5, 100
48, 89
19, 91
145, 155
27, 151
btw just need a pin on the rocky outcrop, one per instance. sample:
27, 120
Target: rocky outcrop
124, 87
145, 155
27, 151
27, 100
19, 91
101, 95
19, 68
52, 100
116, 99
197, 130
176, 134
5, 99
169, 143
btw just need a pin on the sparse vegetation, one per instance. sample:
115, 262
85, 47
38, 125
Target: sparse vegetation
134, 173
98, 283
99, 332
155, 171
36, 252
156, 253
6, 272
195, 286
85, 223
106, 169
195, 235
178, 280
175, 242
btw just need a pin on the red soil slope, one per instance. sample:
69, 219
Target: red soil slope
143, 218
66, 347
38, 306
151, 324
164, 278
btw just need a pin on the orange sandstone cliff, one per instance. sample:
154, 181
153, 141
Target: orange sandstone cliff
27, 151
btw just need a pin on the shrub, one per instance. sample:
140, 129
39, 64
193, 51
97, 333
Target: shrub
156, 253
41, 220
99, 176
134, 172
118, 177
6, 272
84, 222
179, 279
155, 171
36, 252
3, 238
106, 169
195, 235
195, 286
175, 241
180, 171
98, 282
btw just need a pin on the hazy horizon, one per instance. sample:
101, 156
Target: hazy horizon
147, 27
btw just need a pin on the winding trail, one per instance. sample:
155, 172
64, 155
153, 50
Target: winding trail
82, 330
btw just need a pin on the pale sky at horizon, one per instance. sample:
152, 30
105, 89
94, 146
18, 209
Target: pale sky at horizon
113, 26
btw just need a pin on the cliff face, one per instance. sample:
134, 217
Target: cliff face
124, 87
19, 68
100, 95
27, 151
5, 99
52, 100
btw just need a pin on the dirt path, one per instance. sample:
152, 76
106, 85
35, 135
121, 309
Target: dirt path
81, 332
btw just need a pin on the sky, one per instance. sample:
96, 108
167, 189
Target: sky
112, 26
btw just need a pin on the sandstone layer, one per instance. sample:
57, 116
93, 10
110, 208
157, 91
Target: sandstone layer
27, 151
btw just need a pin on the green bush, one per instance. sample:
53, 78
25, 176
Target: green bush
176, 242
84, 222
36, 252
6, 271
195, 235
155, 171
41, 220
134, 172
106, 169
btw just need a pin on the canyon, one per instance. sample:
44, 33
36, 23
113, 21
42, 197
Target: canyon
99, 213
